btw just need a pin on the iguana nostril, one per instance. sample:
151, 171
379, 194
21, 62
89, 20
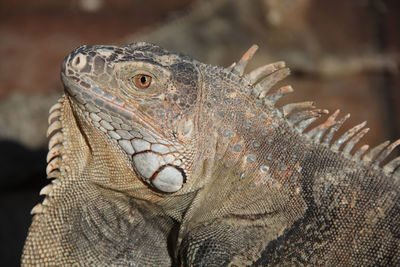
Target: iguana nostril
78, 62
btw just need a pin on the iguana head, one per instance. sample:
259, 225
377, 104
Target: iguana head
145, 99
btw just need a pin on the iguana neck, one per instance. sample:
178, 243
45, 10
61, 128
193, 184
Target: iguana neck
244, 146
241, 133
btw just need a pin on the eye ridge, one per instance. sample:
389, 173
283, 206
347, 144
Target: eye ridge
142, 81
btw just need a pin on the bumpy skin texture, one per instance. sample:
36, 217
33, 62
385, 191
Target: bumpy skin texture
199, 168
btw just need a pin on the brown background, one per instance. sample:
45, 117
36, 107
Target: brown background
343, 54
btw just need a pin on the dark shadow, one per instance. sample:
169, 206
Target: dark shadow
22, 176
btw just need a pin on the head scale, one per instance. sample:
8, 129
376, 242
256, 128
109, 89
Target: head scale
144, 98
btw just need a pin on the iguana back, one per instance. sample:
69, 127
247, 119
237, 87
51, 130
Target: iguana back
159, 159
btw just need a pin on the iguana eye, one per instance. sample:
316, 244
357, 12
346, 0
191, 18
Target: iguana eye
142, 80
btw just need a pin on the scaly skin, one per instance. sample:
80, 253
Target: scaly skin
161, 160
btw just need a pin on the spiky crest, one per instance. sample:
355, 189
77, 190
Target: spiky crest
55, 155
301, 115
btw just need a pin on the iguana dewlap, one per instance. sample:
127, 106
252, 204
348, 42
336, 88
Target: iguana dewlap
157, 159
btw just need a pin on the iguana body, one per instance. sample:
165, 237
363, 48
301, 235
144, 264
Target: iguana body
161, 160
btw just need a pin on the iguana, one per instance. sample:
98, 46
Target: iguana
158, 160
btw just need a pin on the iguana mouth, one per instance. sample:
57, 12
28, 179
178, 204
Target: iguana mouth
100, 98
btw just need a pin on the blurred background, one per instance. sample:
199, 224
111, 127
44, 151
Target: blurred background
343, 54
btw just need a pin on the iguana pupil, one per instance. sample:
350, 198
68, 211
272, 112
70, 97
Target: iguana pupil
142, 81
